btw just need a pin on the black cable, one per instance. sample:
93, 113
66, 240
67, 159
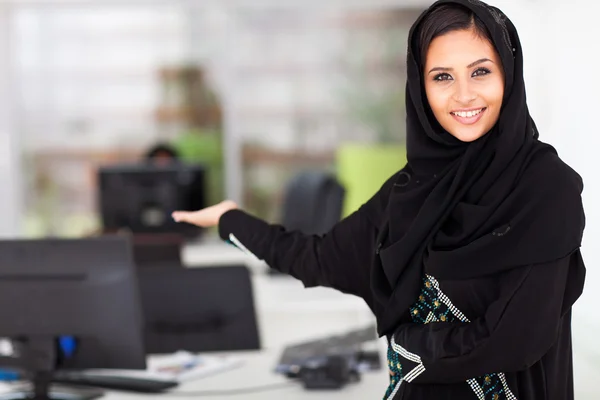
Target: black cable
234, 392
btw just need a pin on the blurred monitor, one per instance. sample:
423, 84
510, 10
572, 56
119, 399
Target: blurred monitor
198, 309
83, 290
141, 197
158, 250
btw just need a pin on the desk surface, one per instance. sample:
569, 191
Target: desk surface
211, 252
257, 370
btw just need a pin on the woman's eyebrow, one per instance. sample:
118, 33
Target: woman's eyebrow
481, 60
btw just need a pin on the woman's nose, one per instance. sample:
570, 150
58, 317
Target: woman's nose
464, 93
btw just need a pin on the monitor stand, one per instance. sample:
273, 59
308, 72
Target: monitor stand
37, 357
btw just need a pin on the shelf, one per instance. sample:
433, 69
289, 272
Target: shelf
397, 17
268, 112
111, 34
253, 155
191, 71
92, 74
86, 155
375, 67
175, 114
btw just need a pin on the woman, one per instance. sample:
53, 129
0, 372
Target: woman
469, 256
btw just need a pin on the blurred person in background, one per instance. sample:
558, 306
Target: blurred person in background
469, 257
162, 154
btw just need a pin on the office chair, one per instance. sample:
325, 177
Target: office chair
313, 203
198, 309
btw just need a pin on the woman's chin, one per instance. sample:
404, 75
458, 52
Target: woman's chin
467, 135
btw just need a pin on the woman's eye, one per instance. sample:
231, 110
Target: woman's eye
481, 72
442, 77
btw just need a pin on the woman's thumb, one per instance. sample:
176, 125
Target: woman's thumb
181, 216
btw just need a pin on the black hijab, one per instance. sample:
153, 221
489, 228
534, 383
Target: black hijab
465, 210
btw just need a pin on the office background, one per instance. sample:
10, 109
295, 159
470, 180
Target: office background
284, 86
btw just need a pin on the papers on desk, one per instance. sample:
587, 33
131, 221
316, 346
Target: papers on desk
184, 366
179, 367
5, 387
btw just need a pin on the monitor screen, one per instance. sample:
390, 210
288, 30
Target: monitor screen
141, 197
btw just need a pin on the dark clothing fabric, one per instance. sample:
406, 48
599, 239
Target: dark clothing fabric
518, 345
463, 210
518, 321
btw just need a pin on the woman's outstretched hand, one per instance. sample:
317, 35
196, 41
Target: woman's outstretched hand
205, 217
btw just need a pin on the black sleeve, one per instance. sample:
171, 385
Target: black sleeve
340, 259
515, 332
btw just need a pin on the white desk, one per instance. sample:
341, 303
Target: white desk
213, 252
257, 370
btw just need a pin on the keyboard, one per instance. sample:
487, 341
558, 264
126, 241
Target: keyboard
122, 383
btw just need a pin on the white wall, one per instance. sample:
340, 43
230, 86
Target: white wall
10, 185
573, 55
574, 108
560, 42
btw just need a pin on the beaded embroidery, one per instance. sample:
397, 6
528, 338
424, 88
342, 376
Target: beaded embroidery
433, 305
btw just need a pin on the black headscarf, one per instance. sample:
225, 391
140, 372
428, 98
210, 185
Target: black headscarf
464, 210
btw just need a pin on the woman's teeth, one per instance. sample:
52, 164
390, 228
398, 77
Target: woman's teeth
467, 114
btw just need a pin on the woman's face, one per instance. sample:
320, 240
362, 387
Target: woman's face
464, 83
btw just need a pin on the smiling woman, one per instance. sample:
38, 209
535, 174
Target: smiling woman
464, 80
470, 271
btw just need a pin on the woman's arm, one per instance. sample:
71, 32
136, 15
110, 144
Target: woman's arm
340, 259
515, 332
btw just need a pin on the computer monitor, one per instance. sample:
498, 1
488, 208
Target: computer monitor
158, 250
85, 289
141, 197
198, 309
